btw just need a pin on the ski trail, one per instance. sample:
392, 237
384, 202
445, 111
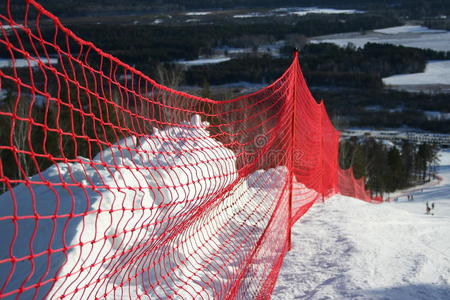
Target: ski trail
350, 249
319, 272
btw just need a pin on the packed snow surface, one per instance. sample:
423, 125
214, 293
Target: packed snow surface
348, 249
436, 72
408, 36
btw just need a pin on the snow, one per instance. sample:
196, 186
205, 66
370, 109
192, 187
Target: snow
23, 63
408, 36
436, 115
436, 72
408, 29
3, 94
349, 249
232, 50
10, 27
192, 20
298, 11
176, 170
198, 13
203, 61
343, 249
251, 15
328, 11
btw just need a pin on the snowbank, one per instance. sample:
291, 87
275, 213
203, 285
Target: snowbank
121, 206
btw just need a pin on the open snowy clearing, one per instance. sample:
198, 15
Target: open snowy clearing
408, 36
24, 63
203, 61
348, 249
436, 115
408, 28
436, 72
298, 11
327, 11
198, 13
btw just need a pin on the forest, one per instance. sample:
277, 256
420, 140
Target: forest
411, 8
323, 65
388, 168
148, 45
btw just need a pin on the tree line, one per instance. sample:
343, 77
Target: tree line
381, 108
323, 65
388, 167
411, 8
145, 46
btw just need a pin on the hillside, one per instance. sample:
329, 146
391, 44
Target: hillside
348, 249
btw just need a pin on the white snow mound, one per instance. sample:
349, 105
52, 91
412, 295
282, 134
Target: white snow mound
122, 205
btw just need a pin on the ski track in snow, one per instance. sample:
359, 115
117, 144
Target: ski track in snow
348, 249
316, 273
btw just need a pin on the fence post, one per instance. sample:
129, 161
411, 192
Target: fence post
292, 102
321, 152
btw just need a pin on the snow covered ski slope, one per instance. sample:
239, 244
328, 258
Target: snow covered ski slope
348, 249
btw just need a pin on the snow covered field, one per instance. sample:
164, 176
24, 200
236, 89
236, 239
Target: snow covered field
198, 13
203, 61
435, 78
436, 115
408, 29
298, 11
24, 63
408, 36
349, 249
436, 72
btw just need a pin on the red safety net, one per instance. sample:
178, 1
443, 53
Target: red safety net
115, 187
349, 186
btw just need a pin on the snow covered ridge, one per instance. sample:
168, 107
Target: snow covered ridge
99, 227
